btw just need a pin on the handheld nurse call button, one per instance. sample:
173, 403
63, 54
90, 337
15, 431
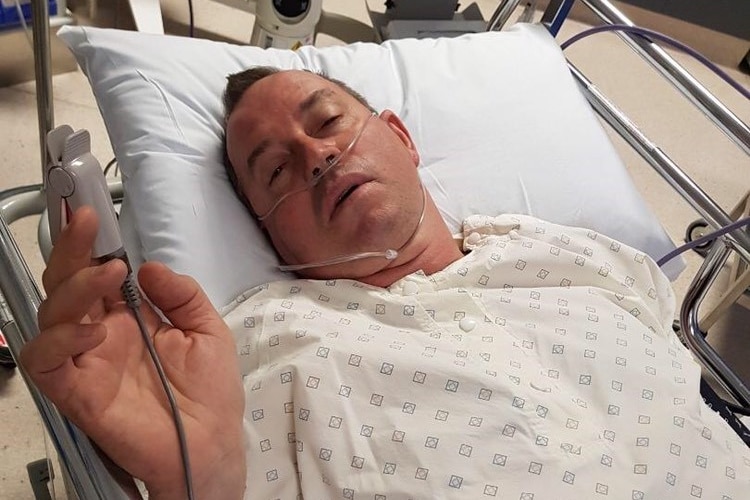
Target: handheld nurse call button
61, 182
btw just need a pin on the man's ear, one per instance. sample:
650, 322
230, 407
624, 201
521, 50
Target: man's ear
398, 127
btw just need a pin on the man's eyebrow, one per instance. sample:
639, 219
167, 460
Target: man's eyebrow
259, 150
315, 98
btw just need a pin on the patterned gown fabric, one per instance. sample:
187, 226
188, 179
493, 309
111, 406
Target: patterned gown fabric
541, 365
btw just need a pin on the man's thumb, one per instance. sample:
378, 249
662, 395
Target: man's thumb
180, 298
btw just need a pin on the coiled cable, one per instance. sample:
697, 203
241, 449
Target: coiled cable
132, 296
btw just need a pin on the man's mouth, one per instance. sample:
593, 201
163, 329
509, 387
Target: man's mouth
347, 192
341, 190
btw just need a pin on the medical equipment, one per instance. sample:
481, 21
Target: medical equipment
425, 19
286, 24
74, 179
281, 24
25, 320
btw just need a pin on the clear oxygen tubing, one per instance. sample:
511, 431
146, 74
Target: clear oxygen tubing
388, 254
318, 174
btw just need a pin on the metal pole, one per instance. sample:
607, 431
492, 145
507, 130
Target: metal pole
22, 205
679, 180
501, 15
723, 118
43, 73
83, 465
693, 334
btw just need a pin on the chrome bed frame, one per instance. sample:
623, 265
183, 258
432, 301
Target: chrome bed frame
89, 475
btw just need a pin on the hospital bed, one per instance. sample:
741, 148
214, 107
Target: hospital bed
583, 178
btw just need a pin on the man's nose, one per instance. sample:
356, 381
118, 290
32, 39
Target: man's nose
318, 156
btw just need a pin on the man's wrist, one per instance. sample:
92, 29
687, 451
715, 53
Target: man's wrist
224, 480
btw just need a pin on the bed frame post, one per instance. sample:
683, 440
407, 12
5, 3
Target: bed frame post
501, 15
43, 73
695, 337
676, 177
738, 240
723, 118
91, 476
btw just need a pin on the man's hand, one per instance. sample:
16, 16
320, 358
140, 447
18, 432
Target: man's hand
91, 361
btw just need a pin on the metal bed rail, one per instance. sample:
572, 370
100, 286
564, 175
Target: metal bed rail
91, 475
715, 110
713, 263
658, 58
43, 75
739, 132
689, 320
738, 241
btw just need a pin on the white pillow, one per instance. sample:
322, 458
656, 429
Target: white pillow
497, 117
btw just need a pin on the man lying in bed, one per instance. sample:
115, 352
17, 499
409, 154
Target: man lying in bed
526, 361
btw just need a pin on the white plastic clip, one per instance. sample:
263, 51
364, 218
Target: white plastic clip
74, 178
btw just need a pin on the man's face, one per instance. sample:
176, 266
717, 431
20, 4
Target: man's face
283, 130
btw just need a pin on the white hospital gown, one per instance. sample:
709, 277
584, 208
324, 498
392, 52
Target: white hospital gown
541, 365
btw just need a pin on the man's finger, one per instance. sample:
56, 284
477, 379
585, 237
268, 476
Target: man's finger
70, 300
72, 251
51, 351
180, 298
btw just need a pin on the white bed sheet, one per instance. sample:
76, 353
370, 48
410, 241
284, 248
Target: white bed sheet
498, 120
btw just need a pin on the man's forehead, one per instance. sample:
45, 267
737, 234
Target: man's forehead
294, 86
274, 101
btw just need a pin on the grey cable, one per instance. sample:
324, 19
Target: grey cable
132, 296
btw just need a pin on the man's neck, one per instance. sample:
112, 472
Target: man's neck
432, 250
